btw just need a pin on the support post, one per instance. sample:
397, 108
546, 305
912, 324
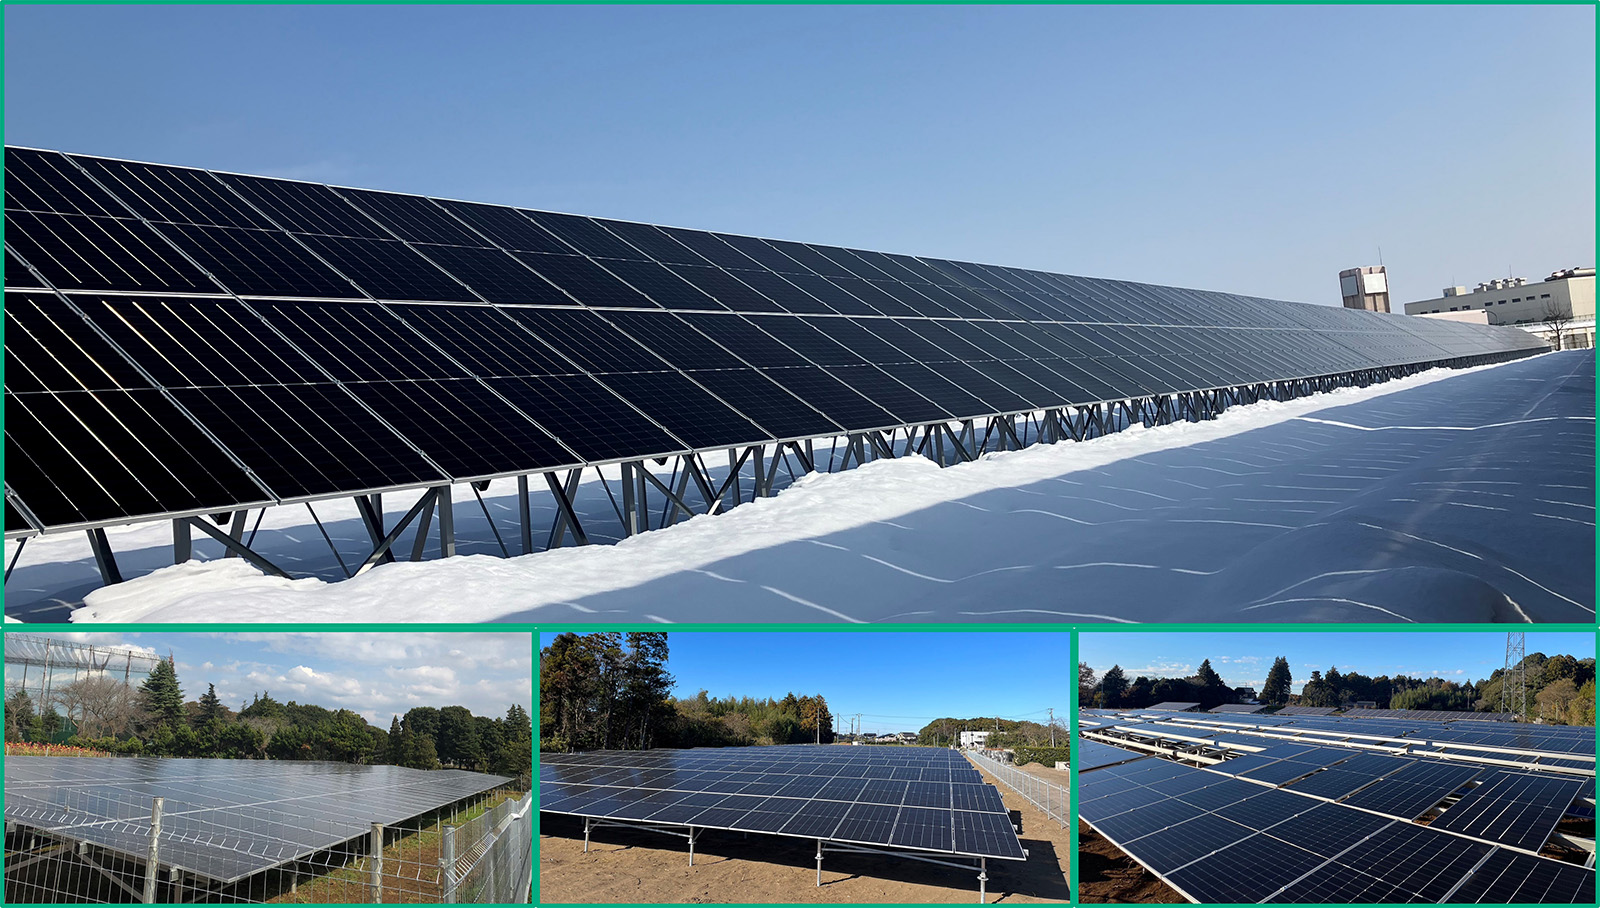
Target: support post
447, 864
525, 514
152, 859
447, 522
983, 881
691, 846
104, 559
819, 863
630, 507
375, 864
236, 530
586, 822
182, 545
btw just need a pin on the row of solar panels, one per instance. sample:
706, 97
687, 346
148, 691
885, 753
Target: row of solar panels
918, 798
1555, 739
188, 342
223, 819
1218, 838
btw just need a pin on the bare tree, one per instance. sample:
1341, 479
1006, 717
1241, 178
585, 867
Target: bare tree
1556, 319
100, 705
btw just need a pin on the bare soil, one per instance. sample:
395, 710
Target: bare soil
1107, 875
637, 866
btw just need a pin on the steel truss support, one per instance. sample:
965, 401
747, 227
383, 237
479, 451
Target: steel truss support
235, 546
566, 515
381, 550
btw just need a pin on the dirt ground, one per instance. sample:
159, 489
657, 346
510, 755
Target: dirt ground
1105, 874
636, 866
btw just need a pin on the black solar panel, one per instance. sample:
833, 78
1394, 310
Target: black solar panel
967, 340
923, 798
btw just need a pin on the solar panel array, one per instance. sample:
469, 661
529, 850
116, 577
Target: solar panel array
1219, 838
1237, 708
183, 341
1092, 754
916, 798
223, 820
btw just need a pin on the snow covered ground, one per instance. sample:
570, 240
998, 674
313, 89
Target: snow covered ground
1447, 496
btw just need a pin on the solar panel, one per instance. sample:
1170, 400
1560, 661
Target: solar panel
1093, 754
1512, 808
223, 819
1345, 777
332, 276
1411, 792
1509, 878
917, 798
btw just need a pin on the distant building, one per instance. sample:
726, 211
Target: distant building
1566, 295
1365, 288
974, 738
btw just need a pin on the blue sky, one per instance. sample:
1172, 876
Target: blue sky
1255, 149
1243, 658
898, 681
376, 675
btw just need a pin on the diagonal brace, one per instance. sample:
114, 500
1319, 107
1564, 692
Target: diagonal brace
236, 547
381, 551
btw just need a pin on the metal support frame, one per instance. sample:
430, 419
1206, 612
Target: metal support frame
104, 558
954, 441
382, 550
235, 546
981, 865
693, 833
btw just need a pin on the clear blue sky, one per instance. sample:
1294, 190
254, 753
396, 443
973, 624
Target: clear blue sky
1242, 659
1252, 149
898, 681
375, 675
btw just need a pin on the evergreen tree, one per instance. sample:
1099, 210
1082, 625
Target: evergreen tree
1276, 689
1113, 687
1211, 690
211, 709
160, 697
395, 755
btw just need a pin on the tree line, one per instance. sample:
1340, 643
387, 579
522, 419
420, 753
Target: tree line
1003, 733
105, 714
1560, 689
612, 691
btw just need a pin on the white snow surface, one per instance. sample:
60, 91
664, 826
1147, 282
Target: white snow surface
479, 588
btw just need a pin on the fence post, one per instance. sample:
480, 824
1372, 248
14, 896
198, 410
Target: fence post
152, 861
447, 862
375, 865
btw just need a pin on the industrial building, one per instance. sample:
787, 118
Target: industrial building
1539, 308
1365, 288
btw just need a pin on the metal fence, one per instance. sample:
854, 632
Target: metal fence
155, 850
1054, 800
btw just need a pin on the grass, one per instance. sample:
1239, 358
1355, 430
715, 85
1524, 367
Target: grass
411, 872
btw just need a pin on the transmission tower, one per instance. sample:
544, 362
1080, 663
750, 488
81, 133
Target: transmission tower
1514, 680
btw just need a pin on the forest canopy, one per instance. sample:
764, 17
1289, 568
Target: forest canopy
609, 691
1560, 690
99, 712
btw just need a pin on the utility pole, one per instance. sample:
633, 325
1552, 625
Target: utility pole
1052, 727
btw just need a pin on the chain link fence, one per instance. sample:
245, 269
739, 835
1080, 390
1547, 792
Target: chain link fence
172, 849
1054, 800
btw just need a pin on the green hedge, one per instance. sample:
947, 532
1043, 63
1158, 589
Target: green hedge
1046, 755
